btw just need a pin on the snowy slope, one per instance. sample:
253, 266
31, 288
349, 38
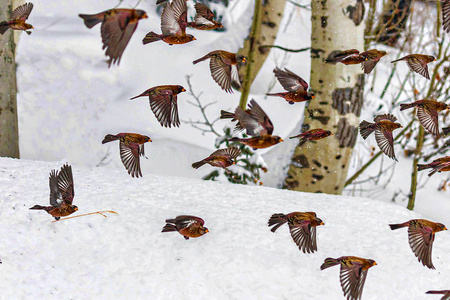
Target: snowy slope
127, 256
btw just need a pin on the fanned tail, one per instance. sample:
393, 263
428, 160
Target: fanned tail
366, 128
277, 220
198, 164
398, 226
169, 228
109, 138
329, 262
92, 20
151, 37
405, 106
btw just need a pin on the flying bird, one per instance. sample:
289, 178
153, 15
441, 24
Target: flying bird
383, 127
353, 273
163, 102
438, 165
187, 226
356, 13
17, 19
312, 135
418, 63
173, 25
445, 294
204, 18
258, 125
421, 236
118, 25
302, 226
427, 113
131, 147
223, 66
222, 158
367, 59
296, 87
61, 193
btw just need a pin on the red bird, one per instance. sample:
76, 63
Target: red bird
163, 102
302, 226
353, 273
118, 25
17, 19
367, 59
445, 293
296, 87
61, 193
222, 158
173, 25
258, 125
421, 236
438, 165
204, 18
131, 146
312, 135
418, 63
427, 112
383, 127
187, 226
223, 66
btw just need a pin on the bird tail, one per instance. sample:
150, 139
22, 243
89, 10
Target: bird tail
422, 167
275, 94
92, 20
235, 139
366, 128
151, 37
201, 59
160, 1
277, 220
406, 106
46, 208
394, 61
329, 262
227, 115
3, 27
437, 292
198, 164
109, 138
398, 226
140, 95
446, 130
169, 227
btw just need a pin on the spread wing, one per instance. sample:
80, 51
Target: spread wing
221, 73
418, 66
304, 236
22, 12
65, 184
55, 193
203, 11
260, 116
428, 118
446, 15
186, 221
385, 141
389, 117
352, 281
290, 81
368, 65
231, 152
165, 108
174, 18
251, 125
129, 154
421, 242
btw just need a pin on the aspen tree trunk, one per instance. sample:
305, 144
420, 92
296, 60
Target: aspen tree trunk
9, 129
322, 167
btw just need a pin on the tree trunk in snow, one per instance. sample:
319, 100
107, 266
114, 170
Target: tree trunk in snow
321, 167
9, 133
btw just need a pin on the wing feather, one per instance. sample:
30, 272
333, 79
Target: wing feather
385, 141
129, 154
428, 118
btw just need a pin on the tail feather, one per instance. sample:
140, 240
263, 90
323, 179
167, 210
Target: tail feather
151, 37
446, 130
3, 27
406, 106
422, 167
235, 139
277, 220
146, 93
227, 115
40, 207
109, 138
329, 262
169, 228
200, 59
198, 164
274, 94
398, 226
394, 61
366, 128
92, 20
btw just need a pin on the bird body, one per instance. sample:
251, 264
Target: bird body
204, 18
187, 226
260, 142
367, 59
296, 87
312, 135
221, 158
17, 19
438, 165
427, 113
418, 63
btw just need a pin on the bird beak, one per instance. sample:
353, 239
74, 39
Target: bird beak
206, 230
435, 59
331, 133
448, 106
322, 223
313, 96
150, 140
183, 90
281, 140
234, 162
445, 228
145, 16
194, 39
374, 263
76, 208
244, 59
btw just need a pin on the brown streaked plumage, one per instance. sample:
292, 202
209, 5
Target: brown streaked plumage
438, 165
131, 147
118, 25
163, 102
445, 294
383, 127
353, 273
222, 158
296, 87
17, 19
367, 59
302, 226
173, 25
427, 113
312, 135
204, 18
187, 226
418, 63
61, 193
223, 66
421, 236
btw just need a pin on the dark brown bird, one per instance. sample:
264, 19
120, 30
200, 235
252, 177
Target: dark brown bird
17, 19
61, 193
418, 63
173, 25
296, 87
421, 236
312, 135
118, 25
438, 165
131, 147
445, 293
223, 66
427, 113
383, 127
258, 125
353, 273
204, 18
222, 158
356, 13
187, 226
302, 226
367, 59
163, 102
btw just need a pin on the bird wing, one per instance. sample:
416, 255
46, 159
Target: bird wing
441, 165
251, 125
446, 15
421, 241
389, 117
221, 73
203, 11
231, 152
129, 154
259, 115
235, 75
290, 81
304, 236
429, 119
186, 221
22, 12
200, 20
55, 193
65, 184
368, 65
418, 66
172, 18
385, 141
353, 278
165, 108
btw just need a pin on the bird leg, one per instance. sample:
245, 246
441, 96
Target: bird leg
92, 213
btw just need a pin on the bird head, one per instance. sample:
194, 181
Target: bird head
204, 230
147, 138
372, 262
141, 14
319, 221
441, 226
397, 125
75, 208
181, 89
278, 139
190, 37
310, 95
448, 106
241, 58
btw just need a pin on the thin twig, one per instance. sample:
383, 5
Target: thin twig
92, 213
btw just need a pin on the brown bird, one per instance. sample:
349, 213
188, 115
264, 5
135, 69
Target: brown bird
258, 125
131, 147
418, 63
302, 226
187, 226
223, 66
17, 19
204, 18
421, 236
222, 158
383, 127
353, 273
118, 25
427, 113
312, 135
173, 25
356, 13
61, 193
438, 165
163, 102
445, 293
297, 88
367, 59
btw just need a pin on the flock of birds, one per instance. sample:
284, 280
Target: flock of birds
117, 27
